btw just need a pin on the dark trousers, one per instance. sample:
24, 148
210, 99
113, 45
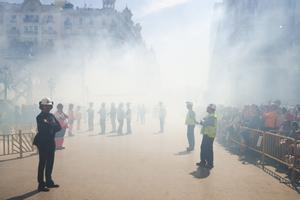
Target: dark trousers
162, 124
103, 125
46, 161
207, 153
128, 126
113, 124
91, 123
191, 136
120, 129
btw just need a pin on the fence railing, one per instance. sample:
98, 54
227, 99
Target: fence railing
16, 144
282, 149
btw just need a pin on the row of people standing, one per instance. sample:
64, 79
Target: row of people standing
115, 115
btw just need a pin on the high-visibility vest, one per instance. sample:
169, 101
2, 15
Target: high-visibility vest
190, 118
209, 127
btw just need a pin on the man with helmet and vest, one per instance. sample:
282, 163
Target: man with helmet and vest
47, 126
209, 131
190, 122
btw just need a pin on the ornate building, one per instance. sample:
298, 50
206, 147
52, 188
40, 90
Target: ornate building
255, 52
33, 27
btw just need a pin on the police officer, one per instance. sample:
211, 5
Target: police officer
113, 117
120, 117
47, 126
102, 113
128, 118
90, 112
209, 131
190, 122
162, 116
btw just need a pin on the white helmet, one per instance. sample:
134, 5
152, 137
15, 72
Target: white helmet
212, 106
46, 102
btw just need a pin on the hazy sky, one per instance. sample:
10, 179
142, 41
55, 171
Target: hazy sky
177, 30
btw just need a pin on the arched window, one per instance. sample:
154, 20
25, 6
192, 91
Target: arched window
68, 24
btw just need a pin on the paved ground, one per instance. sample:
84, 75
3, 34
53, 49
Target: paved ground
141, 166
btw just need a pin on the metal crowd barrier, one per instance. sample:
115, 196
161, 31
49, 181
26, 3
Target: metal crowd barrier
282, 149
18, 143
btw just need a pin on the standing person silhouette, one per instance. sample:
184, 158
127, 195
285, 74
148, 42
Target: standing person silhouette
47, 126
113, 117
121, 117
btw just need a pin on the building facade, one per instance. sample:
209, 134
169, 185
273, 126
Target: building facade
31, 26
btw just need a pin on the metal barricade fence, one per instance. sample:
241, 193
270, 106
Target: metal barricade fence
279, 148
19, 143
276, 147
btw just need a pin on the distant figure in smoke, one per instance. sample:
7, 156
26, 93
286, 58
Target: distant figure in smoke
71, 119
102, 113
128, 118
47, 126
78, 117
190, 122
162, 116
63, 121
90, 112
113, 117
209, 131
141, 114
121, 117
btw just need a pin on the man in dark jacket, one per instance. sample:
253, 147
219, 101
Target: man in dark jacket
47, 126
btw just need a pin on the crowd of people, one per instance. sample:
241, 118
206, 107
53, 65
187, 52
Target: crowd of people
272, 117
248, 124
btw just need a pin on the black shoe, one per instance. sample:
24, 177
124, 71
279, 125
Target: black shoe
42, 188
201, 164
52, 185
188, 149
209, 166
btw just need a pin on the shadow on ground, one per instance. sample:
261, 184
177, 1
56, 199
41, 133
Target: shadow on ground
24, 196
182, 153
201, 173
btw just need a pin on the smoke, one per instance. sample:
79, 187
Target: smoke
255, 53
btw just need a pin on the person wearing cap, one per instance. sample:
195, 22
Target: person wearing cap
209, 131
63, 121
90, 112
113, 117
128, 118
71, 120
162, 117
47, 126
120, 116
102, 113
190, 122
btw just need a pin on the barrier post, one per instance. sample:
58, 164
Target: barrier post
293, 178
3, 142
21, 144
264, 150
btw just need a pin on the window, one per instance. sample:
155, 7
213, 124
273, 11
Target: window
13, 19
31, 19
31, 29
68, 24
49, 19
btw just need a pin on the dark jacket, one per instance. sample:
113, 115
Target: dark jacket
47, 126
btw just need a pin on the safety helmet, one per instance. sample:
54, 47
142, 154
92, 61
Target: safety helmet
46, 102
188, 103
212, 106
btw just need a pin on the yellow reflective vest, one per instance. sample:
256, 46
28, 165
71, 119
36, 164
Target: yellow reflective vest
209, 126
190, 119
